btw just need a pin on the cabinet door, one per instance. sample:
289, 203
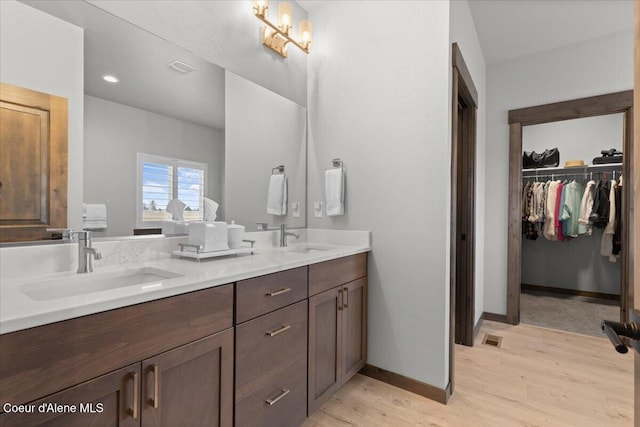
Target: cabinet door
191, 385
325, 346
354, 328
107, 401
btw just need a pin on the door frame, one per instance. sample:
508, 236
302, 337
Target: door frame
634, 267
613, 103
464, 92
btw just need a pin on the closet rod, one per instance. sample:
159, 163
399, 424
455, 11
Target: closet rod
575, 174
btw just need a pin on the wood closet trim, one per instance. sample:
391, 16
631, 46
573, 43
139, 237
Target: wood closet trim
619, 102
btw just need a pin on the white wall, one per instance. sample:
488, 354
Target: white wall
30, 42
263, 130
225, 33
114, 133
595, 67
578, 139
464, 33
379, 100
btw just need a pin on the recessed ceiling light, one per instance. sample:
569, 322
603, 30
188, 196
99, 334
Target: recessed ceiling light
110, 78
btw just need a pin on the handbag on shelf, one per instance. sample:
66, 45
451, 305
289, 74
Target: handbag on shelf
608, 156
549, 158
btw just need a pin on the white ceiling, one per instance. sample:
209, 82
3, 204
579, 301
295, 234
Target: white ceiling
509, 29
139, 59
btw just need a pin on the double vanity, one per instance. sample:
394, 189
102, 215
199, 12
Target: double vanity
259, 340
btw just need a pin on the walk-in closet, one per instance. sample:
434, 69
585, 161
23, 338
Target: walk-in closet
571, 223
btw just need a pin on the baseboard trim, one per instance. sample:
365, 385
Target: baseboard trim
495, 317
409, 384
476, 329
563, 291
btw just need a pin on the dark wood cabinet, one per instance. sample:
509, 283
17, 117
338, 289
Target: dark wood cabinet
337, 339
187, 363
191, 385
271, 350
109, 400
354, 328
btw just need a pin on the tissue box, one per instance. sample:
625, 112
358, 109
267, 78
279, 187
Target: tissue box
174, 227
210, 236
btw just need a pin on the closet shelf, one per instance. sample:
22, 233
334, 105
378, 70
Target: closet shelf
585, 168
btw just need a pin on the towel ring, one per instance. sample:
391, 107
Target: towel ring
336, 163
278, 169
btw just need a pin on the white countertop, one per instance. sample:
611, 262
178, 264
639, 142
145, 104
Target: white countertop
19, 311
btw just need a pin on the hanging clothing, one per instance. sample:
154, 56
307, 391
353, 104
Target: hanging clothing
586, 207
572, 195
550, 211
600, 214
557, 220
606, 244
529, 228
617, 235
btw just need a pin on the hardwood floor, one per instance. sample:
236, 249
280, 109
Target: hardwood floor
539, 377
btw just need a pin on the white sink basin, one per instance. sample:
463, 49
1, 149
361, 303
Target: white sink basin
82, 284
307, 248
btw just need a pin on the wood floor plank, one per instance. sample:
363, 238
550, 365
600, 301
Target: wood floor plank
539, 377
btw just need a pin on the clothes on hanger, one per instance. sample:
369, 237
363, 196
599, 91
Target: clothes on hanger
562, 211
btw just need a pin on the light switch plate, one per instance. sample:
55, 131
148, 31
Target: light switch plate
295, 209
317, 208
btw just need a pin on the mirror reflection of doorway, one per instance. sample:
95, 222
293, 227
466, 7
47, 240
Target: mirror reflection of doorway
571, 281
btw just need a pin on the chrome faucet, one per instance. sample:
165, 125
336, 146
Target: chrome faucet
284, 233
85, 251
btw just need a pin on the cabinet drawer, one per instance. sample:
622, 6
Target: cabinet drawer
264, 294
329, 274
268, 345
280, 402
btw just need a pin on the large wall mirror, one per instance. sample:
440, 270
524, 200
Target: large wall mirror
177, 126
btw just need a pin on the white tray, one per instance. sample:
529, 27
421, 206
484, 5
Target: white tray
215, 254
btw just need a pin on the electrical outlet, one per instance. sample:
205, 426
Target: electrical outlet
295, 209
317, 208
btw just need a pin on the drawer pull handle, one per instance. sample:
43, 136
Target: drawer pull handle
156, 385
346, 297
276, 293
275, 400
341, 299
136, 386
279, 330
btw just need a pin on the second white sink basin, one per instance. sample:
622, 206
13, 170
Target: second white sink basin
308, 248
82, 284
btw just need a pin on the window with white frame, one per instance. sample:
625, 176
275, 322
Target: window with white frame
161, 179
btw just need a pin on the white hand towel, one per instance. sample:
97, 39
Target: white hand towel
334, 191
94, 216
210, 209
176, 208
277, 197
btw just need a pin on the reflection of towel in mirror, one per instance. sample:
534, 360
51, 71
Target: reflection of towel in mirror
334, 191
210, 209
176, 208
277, 197
94, 216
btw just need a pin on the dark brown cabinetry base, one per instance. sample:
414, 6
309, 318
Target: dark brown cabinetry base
337, 326
182, 355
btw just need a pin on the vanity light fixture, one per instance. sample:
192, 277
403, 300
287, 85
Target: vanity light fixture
110, 79
277, 37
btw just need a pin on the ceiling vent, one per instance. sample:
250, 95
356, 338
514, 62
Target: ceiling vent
180, 67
